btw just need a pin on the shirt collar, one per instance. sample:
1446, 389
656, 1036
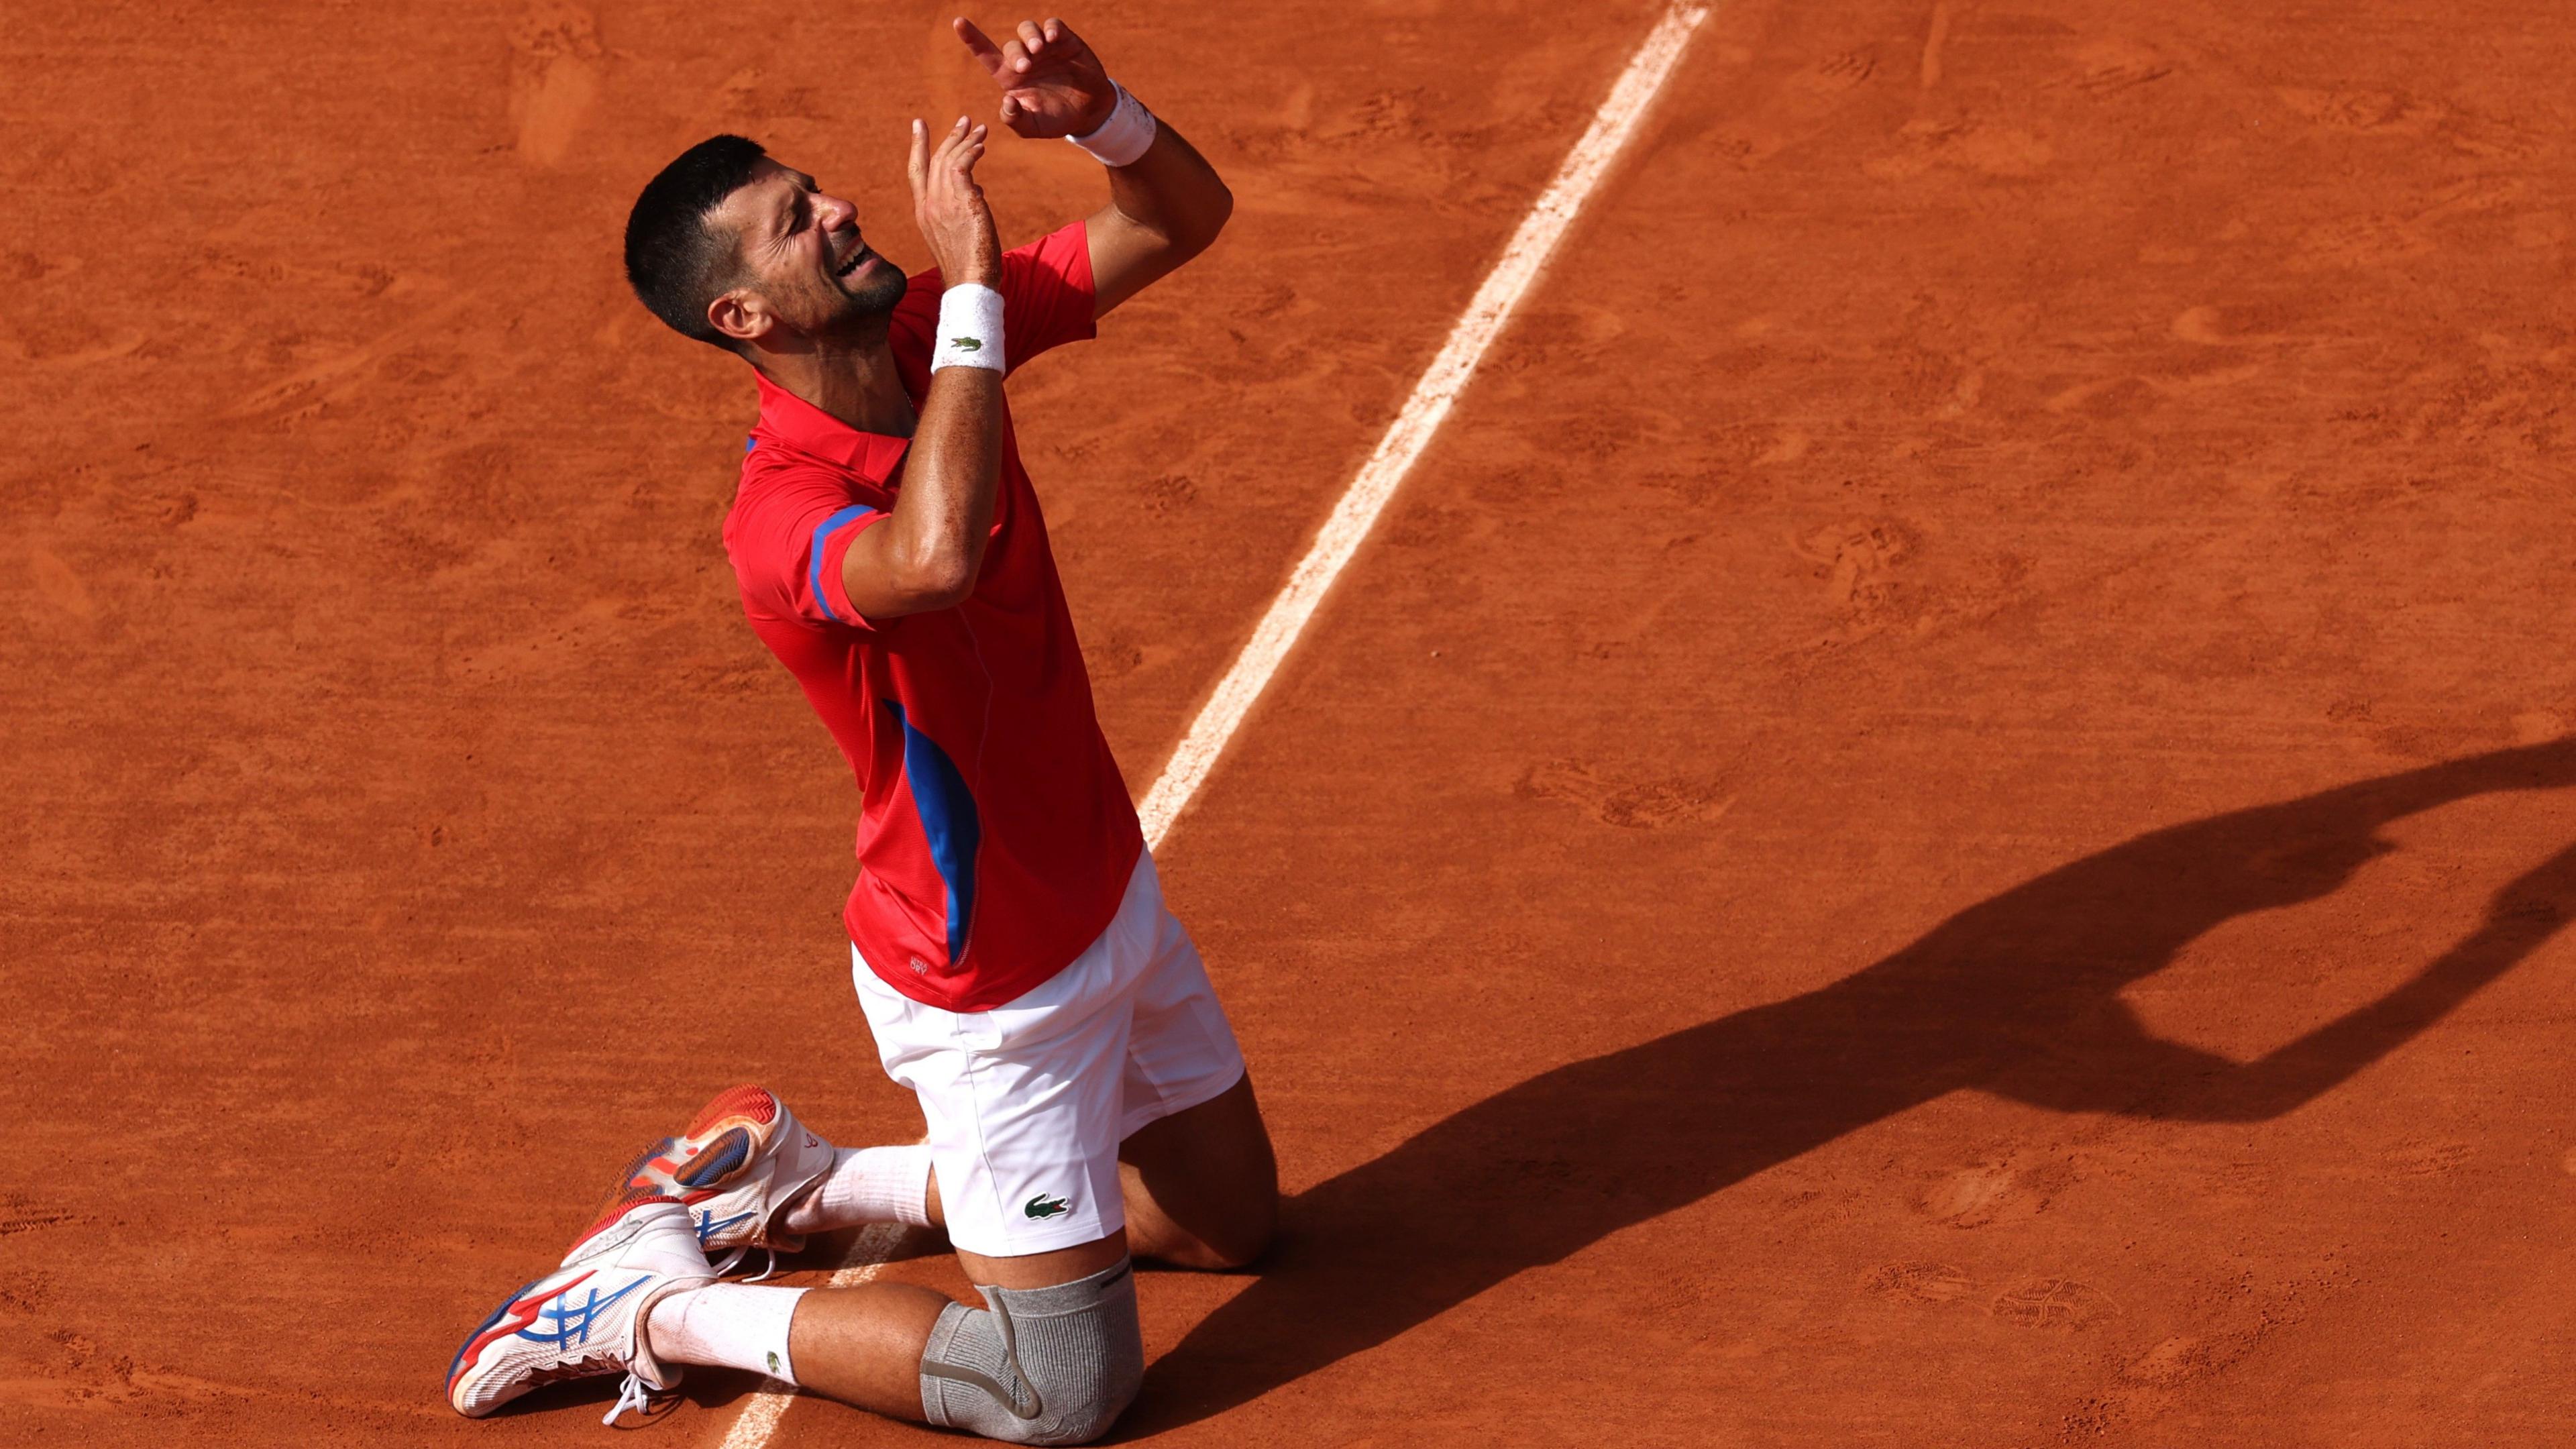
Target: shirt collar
809, 430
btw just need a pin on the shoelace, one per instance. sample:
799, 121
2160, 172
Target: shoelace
632, 1394
734, 1259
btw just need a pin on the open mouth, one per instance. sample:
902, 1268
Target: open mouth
858, 259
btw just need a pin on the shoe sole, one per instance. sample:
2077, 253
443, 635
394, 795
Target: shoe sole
727, 1133
720, 1141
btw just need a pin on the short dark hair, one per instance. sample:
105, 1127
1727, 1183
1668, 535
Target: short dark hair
676, 262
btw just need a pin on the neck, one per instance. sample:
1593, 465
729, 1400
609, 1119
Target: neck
851, 377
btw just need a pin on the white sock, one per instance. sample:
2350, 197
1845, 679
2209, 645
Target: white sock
728, 1325
867, 1185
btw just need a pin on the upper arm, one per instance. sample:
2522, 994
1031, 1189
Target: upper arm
791, 548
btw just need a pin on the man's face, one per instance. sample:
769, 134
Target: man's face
802, 251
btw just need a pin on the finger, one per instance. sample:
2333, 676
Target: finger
1057, 32
978, 43
946, 153
918, 165
1010, 109
1031, 36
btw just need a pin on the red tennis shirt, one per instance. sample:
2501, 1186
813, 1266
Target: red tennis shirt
996, 837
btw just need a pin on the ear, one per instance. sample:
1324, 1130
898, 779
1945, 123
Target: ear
741, 314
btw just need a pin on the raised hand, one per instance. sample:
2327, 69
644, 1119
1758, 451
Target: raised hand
1052, 85
949, 206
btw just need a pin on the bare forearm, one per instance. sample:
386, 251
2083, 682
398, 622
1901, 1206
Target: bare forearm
936, 535
1165, 207
928, 551
1172, 192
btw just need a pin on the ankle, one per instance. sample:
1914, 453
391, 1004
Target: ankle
726, 1325
866, 1185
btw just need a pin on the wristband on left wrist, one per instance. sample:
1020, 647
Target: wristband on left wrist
1125, 136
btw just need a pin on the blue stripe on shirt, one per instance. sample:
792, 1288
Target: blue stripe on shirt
814, 560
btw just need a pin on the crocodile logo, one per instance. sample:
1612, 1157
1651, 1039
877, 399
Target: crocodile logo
1043, 1206
967, 344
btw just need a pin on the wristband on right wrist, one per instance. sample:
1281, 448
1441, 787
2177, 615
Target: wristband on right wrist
970, 329
1124, 136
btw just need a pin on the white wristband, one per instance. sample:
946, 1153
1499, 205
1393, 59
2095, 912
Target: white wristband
1124, 136
970, 328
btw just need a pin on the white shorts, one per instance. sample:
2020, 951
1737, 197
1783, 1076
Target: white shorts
1028, 1102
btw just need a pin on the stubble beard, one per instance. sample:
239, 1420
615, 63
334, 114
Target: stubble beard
866, 307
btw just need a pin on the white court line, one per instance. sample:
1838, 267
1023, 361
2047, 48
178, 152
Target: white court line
1411, 431
1349, 525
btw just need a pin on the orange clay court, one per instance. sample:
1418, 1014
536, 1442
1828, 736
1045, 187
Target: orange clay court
1941, 815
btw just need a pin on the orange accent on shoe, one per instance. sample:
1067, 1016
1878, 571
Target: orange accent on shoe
753, 1103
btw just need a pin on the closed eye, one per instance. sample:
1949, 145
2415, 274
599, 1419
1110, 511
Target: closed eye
798, 213
806, 187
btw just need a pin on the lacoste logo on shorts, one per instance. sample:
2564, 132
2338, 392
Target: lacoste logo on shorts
967, 344
1043, 1206
773, 1363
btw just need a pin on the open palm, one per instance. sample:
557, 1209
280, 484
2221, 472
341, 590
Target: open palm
1052, 85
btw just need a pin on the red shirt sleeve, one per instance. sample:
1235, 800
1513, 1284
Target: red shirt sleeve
788, 537
1047, 294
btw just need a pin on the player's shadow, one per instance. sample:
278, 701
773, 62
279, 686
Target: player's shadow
2016, 995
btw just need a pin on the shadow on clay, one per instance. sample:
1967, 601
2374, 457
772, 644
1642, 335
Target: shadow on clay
2017, 995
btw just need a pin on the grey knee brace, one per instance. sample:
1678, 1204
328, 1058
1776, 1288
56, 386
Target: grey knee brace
1037, 1365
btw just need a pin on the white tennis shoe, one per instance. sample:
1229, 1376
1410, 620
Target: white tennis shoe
586, 1318
736, 1168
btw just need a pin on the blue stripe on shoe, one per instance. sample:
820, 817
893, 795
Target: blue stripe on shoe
457, 1363
570, 1323
720, 1158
